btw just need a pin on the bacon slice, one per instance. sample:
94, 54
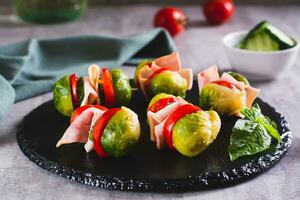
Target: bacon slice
89, 145
187, 74
209, 75
252, 94
143, 76
79, 129
228, 78
171, 61
159, 136
94, 76
90, 95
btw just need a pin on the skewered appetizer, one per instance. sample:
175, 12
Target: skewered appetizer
110, 132
181, 125
112, 86
163, 75
227, 94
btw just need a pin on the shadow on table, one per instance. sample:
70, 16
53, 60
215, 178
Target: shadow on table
198, 23
7, 138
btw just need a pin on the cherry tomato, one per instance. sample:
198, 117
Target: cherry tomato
223, 83
79, 110
161, 103
172, 19
73, 87
148, 81
99, 128
173, 118
108, 89
218, 11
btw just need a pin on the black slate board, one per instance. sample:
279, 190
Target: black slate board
145, 169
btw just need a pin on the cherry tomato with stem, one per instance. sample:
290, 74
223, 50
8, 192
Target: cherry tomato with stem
218, 11
172, 19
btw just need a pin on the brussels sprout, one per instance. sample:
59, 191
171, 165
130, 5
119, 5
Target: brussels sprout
158, 97
121, 86
195, 132
239, 77
121, 133
168, 82
62, 97
138, 69
222, 99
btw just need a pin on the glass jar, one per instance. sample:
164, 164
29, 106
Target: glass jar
49, 11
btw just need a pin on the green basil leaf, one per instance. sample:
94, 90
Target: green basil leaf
248, 138
270, 126
254, 114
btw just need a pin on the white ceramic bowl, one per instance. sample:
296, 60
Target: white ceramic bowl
258, 65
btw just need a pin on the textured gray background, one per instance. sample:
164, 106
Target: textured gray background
199, 48
118, 2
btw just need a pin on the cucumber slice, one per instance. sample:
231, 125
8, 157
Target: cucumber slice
266, 37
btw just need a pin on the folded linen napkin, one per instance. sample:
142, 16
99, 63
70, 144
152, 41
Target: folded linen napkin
31, 67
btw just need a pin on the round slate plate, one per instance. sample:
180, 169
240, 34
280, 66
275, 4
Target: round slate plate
145, 169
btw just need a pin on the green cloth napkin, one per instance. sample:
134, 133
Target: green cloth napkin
30, 68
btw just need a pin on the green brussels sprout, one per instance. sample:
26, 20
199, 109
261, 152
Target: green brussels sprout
122, 88
195, 132
121, 133
138, 69
168, 82
62, 97
158, 97
222, 99
239, 77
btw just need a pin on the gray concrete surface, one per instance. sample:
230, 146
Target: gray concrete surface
194, 2
199, 47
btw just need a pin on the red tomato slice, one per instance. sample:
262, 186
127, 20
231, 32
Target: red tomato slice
108, 89
223, 83
99, 128
161, 103
148, 81
79, 110
173, 118
73, 87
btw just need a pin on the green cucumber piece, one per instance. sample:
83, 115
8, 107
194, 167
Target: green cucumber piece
266, 37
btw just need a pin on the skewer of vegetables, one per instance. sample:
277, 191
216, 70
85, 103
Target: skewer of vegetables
110, 132
163, 75
113, 86
182, 126
227, 94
